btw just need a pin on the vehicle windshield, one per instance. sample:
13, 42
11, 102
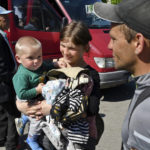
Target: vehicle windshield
83, 10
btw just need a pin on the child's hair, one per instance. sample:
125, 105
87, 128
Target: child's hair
77, 32
26, 42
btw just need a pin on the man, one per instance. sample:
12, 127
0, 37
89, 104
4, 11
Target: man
130, 43
8, 133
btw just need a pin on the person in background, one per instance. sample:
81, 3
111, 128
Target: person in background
74, 42
34, 24
130, 44
8, 110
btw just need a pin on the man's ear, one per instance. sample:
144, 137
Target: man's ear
139, 43
18, 58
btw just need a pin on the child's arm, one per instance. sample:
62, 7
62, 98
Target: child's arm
55, 63
39, 88
23, 88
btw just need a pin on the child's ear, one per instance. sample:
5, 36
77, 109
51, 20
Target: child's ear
17, 58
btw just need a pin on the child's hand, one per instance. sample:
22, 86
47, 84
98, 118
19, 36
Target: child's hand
39, 88
60, 63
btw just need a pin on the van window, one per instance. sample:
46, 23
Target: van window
84, 11
4, 4
36, 15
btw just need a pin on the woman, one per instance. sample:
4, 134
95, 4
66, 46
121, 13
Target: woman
74, 42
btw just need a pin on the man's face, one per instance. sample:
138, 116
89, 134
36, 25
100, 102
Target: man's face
123, 52
4, 22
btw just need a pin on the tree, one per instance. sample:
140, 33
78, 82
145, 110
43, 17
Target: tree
115, 1
111, 1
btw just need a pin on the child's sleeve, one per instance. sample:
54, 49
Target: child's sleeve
22, 89
48, 65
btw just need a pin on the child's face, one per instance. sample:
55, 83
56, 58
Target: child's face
72, 54
30, 58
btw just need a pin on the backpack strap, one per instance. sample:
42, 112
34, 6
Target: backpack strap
145, 94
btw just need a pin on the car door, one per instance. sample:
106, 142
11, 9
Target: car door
37, 18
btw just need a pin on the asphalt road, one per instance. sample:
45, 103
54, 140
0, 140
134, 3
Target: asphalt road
113, 107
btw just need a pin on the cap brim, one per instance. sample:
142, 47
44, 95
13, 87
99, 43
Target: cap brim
107, 12
5, 12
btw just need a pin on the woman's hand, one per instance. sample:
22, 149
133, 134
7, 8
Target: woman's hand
45, 108
59, 63
33, 111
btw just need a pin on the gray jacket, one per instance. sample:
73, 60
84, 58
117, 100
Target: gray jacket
136, 134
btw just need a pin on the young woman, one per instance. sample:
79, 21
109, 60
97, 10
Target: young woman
74, 42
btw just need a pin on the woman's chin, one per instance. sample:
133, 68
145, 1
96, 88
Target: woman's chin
68, 61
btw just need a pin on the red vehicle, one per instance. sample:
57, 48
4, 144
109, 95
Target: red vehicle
44, 19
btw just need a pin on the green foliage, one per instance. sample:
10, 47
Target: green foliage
115, 1
112, 1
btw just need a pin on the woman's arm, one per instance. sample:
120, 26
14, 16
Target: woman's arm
94, 98
45, 108
33, 111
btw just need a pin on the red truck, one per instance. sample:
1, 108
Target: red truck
44, 19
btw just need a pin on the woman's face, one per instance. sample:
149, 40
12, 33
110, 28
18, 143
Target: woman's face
72, 54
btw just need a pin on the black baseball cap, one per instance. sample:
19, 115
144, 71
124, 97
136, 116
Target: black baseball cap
134, 13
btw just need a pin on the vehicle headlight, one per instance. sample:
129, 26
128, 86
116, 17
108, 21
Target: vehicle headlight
104, 62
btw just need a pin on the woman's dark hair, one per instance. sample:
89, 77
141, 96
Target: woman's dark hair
77, 32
